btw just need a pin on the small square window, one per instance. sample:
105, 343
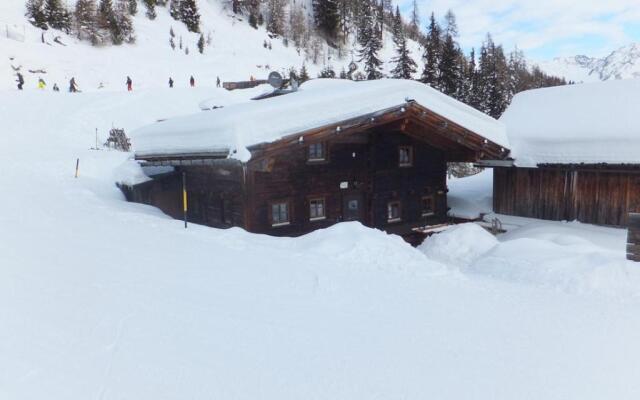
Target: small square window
393, 211
279, 214
405, 156
317, 210
316, 152
427, 206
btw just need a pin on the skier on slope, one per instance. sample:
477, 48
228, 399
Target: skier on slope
42, 84
192, 81
129, 84
20, 81
73, 87
170, 82
218, 81
55, 87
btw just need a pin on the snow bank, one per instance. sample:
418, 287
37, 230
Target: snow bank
236, 127
459, 246
585, 123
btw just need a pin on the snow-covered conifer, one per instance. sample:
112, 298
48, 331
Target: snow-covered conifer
370, 44
35, 13
405, 66
189, 15
431, 55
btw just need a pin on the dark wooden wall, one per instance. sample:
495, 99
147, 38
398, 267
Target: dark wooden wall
599, 196
368, 162
215, 194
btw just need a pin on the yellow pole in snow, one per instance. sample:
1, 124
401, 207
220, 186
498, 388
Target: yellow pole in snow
184, 197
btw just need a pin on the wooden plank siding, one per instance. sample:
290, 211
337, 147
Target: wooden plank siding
597, 196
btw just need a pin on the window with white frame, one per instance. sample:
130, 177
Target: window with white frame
316, 152
317, 209
427, 206
405, 156
393, 211
280, 213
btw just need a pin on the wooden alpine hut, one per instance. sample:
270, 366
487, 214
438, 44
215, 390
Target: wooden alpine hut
336, 150
575, 154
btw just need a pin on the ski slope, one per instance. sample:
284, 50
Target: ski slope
236, 53
105, 299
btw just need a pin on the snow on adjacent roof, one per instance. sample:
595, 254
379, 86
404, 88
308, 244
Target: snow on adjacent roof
316, 104
586, 123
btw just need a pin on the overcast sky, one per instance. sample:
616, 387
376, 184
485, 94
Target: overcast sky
542, 28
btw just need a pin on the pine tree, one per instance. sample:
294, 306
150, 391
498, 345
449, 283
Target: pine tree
85, 21
449, 64
276, 17
35, 13
133, 7
370, 44
57, 16
297, 25
405, 67
105, 15
151, 8
121, 24
201, 44
325, 13
431, 55
327, 73
189, 15
174, 9
414, 23
304, 74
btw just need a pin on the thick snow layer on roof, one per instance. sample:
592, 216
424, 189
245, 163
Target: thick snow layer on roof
586, 123
317, 104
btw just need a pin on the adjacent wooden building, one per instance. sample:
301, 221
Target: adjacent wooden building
575, 154
384, 166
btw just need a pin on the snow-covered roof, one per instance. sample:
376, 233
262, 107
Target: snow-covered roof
318, 103
587, 123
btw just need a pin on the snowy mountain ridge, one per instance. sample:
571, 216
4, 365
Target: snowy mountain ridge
623, 63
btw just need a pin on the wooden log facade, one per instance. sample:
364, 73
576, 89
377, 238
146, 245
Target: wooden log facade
386, 170
596, 194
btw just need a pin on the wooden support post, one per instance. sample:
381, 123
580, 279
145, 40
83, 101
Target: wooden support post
184, 197
633, 237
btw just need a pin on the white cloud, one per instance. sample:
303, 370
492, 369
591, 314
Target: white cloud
551, 27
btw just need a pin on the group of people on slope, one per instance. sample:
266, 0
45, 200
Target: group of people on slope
42, 85
73, 87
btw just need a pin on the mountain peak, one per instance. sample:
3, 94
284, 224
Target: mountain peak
622, 63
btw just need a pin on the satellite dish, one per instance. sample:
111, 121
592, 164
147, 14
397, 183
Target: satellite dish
275, 80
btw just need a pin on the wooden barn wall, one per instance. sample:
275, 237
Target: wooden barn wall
368, 162
603, 197
216, 195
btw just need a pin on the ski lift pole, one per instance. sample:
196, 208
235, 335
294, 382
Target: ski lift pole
184, 197
77, 166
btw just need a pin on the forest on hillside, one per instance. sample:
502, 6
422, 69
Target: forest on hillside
485, 78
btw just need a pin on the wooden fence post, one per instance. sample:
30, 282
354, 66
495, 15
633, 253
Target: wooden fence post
633, 237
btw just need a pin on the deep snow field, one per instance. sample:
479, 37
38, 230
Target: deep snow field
103, 299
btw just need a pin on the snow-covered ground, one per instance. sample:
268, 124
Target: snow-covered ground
105, 299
